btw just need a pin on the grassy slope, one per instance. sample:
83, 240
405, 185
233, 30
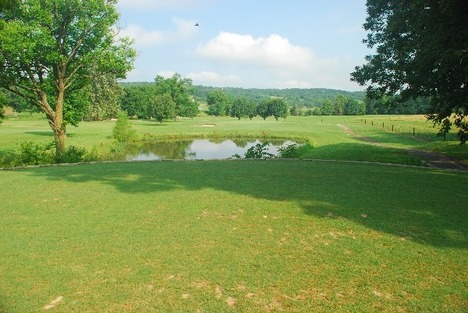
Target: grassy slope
222, 236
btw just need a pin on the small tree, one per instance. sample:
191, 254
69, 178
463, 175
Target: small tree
161, 107
123, 130
240, 108
278, 108
263, 109
251, 109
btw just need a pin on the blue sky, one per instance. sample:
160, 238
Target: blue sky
247, 43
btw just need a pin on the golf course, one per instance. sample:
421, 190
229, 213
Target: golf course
362, 221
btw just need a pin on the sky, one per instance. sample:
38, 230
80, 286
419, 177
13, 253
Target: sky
247, 43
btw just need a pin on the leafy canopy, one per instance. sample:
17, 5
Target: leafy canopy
51, 49
421, 50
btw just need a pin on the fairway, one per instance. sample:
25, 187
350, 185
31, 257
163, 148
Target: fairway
233, 236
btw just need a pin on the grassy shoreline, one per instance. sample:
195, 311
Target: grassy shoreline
329, 140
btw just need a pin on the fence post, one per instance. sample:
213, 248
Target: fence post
414, 131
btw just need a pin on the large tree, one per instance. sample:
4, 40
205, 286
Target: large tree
421, 49
181, 91
218, 103
51, 49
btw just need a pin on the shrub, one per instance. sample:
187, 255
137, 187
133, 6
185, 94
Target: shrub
289, 152
32, 153
71, 155
123, 130
259, 151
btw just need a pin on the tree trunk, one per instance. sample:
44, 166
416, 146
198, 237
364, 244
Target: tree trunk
59, 136
55, 119
59, 130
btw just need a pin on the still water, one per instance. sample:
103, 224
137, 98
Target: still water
199, 149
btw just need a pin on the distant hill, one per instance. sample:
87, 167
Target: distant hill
294, 96
307, 97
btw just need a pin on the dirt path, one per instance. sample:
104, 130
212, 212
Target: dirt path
432, 159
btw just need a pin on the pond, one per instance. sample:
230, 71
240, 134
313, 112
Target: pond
199, 149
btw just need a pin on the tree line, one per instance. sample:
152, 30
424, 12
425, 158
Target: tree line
168, 98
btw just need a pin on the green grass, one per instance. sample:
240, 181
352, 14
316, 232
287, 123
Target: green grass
236, 236
329, 140
233, 236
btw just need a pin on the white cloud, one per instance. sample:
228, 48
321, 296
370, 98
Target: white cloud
143, 38
161, 4
273, 51
273, 58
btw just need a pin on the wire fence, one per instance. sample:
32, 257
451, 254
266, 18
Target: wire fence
406, 130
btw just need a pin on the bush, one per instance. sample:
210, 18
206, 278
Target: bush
71, 155
289, 152
35, 154
8, 159
123, 130
32, 153
259, 151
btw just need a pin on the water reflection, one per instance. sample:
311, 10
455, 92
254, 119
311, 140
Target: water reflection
206, 149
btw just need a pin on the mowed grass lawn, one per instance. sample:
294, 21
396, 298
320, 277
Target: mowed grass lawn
325, 133
233, 236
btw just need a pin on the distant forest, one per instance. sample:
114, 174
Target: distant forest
312, 101
308, 97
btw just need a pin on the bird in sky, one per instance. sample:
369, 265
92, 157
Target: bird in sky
196, 24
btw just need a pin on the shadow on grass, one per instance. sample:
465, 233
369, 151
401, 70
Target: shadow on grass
422, 205
49, 134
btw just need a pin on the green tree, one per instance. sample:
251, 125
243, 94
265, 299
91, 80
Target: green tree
161, 107
4, 4
218, 103
135, 100
180, 90
327, 107
105, 96
263, 110
316, 111
240, 108
355, 107
52, 49
339, 104
296, 110
421, 50
251, 109
123, 130
278, 108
